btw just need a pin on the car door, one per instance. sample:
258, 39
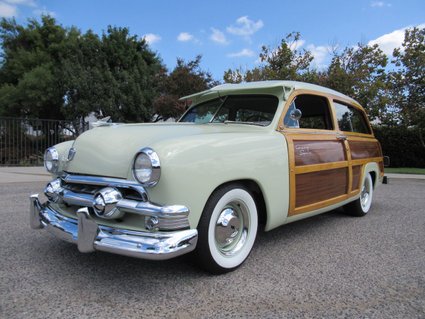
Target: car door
363, 147
318, 154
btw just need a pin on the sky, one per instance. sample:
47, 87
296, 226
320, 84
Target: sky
230, 34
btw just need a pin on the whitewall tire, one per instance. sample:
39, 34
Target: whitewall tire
361, 206
227, 229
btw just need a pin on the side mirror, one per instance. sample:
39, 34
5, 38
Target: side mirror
295, 114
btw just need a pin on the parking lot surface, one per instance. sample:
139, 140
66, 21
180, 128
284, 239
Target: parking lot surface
328, 266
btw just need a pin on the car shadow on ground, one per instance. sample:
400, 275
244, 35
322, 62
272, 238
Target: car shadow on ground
122, 269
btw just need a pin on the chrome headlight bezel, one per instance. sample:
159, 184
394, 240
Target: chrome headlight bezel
151, 157
51, 160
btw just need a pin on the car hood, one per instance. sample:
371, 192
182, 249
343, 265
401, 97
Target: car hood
110, 150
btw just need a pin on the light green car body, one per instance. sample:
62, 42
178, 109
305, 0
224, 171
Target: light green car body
196, 159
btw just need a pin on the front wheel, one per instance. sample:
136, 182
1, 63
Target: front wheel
227, 229
361, 206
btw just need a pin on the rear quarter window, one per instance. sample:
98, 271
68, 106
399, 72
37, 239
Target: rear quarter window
351, 119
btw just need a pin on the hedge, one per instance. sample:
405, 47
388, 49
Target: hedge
402, 145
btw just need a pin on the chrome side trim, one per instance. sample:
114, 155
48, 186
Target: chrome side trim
150, 209
169, 217
89, 236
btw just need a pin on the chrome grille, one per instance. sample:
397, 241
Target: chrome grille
81, 191
128, 193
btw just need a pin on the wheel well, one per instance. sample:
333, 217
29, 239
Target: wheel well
255, 190
373, 175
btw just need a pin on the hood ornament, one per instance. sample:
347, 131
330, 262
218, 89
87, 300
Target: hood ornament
106, 121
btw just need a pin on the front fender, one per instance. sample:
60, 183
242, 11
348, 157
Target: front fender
193, 167
63, 150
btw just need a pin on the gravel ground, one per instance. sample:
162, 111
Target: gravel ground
327, 266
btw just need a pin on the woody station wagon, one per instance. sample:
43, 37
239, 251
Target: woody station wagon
243, 155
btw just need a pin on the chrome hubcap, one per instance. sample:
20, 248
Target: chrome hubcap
365, 194
231, 228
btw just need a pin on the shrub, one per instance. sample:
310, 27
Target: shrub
403, 146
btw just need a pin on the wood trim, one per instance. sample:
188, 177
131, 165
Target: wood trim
309, 152
356, 173
316, 165
366, 160
350, 166
328, 202
332, 183
363, 149
311, 135
362, 136
320, 167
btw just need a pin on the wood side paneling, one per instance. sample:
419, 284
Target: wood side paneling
364, 149
319, 186
318, 152
356, 177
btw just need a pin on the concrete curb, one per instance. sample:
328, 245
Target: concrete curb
405, 176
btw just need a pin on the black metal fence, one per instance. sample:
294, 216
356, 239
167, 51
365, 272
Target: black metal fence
23, 141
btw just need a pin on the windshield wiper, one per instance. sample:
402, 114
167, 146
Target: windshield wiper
242, 122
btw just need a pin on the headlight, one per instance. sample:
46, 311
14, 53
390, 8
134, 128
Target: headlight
146, 167
51, 160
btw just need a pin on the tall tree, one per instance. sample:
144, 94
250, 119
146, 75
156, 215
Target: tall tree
48, 71
28, 70
408, 80
133, 68
360, 73
186, 78
286, 62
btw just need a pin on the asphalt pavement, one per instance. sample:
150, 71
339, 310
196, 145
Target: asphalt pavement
328, 266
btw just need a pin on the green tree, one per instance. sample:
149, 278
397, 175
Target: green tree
408, 81
48, 71
133, 69
114, 75
186, 78
82, 77
28, 69
359, 72
286, 62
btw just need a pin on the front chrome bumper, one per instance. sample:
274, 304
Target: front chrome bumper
89, 236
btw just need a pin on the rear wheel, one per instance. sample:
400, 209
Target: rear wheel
361, 206
227, 229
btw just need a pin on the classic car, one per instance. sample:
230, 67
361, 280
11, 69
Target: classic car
242, 156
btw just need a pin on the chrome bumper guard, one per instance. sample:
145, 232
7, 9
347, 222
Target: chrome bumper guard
89, 236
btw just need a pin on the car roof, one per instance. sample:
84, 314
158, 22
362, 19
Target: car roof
256, 87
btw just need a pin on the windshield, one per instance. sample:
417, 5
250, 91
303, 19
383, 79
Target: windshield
249, 109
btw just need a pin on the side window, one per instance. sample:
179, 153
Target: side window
350, 119
314, 113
